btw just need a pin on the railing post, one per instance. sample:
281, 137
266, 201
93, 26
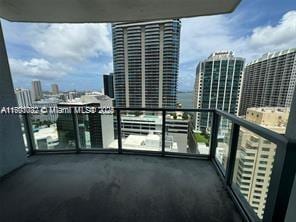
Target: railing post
163, 133
119, 130
232, 153
214, 134
29, 133
281, 183
76, 130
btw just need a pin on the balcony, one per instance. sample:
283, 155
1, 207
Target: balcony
89, 187
159, 177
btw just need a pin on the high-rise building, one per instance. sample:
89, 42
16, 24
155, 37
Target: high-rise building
23, 97
255, 155
269, 81
37, 90
55, 89
217, 85
146, 60
108, 85
95, 130
47, 103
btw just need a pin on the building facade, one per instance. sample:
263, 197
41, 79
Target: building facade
54, 89
96, 130
269, 81
255, 155
46, 103
108, 85
37, 90
217, 85
23, 97
146, 60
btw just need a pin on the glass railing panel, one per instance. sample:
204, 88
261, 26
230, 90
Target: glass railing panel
223, 141
253, 167
186, 133
141, 130
53, 131
97, 131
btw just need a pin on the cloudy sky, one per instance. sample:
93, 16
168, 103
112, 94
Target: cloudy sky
76, 55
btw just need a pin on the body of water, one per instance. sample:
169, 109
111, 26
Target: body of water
185, 98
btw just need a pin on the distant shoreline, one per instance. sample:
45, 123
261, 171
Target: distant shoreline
184, 91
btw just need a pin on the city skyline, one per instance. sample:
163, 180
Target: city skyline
90, 56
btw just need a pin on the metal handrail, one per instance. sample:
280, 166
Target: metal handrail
255, 128
280, 140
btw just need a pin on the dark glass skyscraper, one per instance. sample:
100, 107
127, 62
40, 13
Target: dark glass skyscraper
217, 85
146, 60
108, 85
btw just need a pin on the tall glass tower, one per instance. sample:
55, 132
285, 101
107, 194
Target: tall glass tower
146, 60
217, 85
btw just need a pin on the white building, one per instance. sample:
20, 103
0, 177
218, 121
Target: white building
54, 89
46, 103
255, 155
37, 90
46, 137
150, 142
23, 97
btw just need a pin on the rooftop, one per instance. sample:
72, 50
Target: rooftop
270, 55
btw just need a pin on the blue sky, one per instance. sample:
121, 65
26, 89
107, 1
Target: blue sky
76, 55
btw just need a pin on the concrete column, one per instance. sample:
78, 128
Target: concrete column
12, 148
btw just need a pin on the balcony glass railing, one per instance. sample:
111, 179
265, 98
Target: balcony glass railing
248, 157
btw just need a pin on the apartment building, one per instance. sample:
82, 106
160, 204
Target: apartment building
269, 81
255, 155
146, 60
217, 85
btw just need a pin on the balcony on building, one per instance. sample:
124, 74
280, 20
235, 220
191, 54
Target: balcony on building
102, 168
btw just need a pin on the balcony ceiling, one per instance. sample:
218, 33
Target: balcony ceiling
109, 10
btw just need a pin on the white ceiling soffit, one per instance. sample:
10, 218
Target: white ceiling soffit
109, 10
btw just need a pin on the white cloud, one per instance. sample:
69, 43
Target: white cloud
75, 42
203, 35
282, 35
70, 42
107, 67
47, 51
37, 68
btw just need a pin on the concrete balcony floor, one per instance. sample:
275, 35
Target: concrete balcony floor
112, 187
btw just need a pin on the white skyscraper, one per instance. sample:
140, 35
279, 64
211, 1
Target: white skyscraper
37, 90
23, 97
55, 89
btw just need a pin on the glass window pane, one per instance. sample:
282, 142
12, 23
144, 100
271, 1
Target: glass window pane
223, 141
185, 135
52, 131
253, 168
141, 130
97, 131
